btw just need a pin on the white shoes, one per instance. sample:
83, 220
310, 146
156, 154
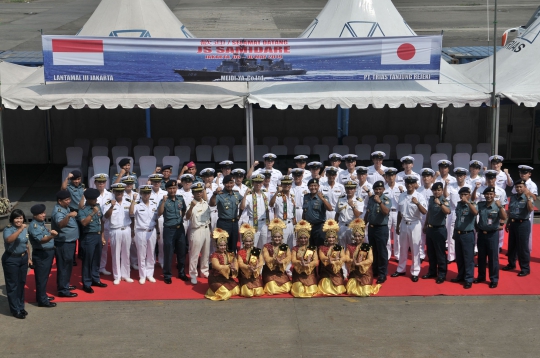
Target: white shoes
127, 279
116, 282
194, 280
142, 281
151, 279
104, 272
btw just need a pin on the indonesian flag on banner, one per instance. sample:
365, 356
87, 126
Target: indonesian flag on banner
415, 51
68, 52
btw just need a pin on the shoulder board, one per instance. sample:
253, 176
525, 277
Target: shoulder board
292, 195
359, 199
128, 199
138, 202
108, 202
278, 194
35, 226
343, 196
133, 173
59, 210
9, 225
109, 190
83, 186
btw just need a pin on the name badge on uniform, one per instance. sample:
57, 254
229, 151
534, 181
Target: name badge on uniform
489, 221
462, 219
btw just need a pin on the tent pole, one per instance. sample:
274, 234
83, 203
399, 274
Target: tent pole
345, 118
49, 137
249, 135
2, 155
339, 124
494, 105
496, 131
441, 127
148, 122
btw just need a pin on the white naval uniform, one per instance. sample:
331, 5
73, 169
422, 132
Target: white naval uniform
534, 190
243, 218
472, 182
453, 198
274, 179
400, 177
133, 257
374, 176
199, 238
156, 198
500, 194
449, 218
299, 192
145, 217
501, 179
270, 192
261, 235
439, 179
288, 233
188, 197
410, 235
346, 215
393, 194
345, 176
120, 238
306, 177
101, 200
427, 193
333, 194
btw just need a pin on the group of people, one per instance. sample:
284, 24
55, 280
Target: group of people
307, 226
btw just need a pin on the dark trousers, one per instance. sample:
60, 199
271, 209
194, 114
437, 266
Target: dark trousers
488, 250
15, 269
174, 240
64, 264
317, 237
378, 237
518, 245
90, 247
465, 256
232, 229
436, 244
42, 260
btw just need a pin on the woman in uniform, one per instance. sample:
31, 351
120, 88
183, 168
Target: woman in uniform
304, 261
250, 262
224, 269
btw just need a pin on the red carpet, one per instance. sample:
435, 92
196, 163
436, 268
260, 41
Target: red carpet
509, 284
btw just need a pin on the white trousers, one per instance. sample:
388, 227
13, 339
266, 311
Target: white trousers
146, 245
160, 241
288, 234
344, 234
104, 251
450, 242
199, 243
213, 222
133, 256
330, 215
410, 236
262, 236
423, 241
392, 223
120, 244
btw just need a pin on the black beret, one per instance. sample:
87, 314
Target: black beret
38, 209
519, 181
170, 183
464, 190
123, 162
313, 181
437, 186
227, 178
489, 189
165, 167
91, 194
76, 174
62, 194
378, 184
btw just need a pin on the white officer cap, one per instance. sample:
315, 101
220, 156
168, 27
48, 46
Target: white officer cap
301, 157
118, 186
378, 154
410, 179
390, 171
155, 177
427, 171
460, 170
257, 178
331, 169
187, 176
207, 171
350, 157
496, 157
100, 177
128, 179
476, 163
490, 172
525, 168
225, 163
145, 188
444, 162
239, 171
407, 157
314, 164
298, 170
335, 156
270, 156
361, 169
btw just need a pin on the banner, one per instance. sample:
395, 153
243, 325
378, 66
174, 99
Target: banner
125, 59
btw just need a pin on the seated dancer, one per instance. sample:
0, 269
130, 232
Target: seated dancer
221, 285
250, 263
331, 256
277, 257
304, 261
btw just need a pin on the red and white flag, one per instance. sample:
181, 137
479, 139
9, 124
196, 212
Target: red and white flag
412, 52
77, 52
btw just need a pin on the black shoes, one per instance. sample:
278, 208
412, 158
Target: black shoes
414, 279
521, 273
508, 268
74, 263
183, 277
88, 289
478, 280
448, 262
425, 277
381, 279
99, 284
168, 281
51, 298
70, 295
456, 280
71, 287
19, 315
23, 311
493, 285
440, 280
467, 285
396, 274
49, 304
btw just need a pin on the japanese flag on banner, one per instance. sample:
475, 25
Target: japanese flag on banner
68, 52
416, 51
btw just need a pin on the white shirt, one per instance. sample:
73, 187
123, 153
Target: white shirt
453, 192
409, 210
200, 215
299, 192
530, 185
501, 180
145, 216
157, 197
276, 176
500, 194
400, 177
128, 197
120, 214
361, 193
187, 195
332, 193
439, 179
472, 182
269, 191
374, 176
101, 200
426, 193
278, 206
210, 193
393, 193
345, 176
306, 177
241, 189
346, 213
261, 208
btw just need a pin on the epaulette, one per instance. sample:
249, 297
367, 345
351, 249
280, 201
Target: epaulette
108, 202
343, 196
59, 210
292, 195
35, 226
83, 186
128, 199
279, 194
138, 202
359, 199
9, 225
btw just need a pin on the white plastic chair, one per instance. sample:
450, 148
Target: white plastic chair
259, 151
350, 141
148, 164
322, 150
161, 151
149, 142
340, 149
290, 143
139, 151
270, 141
209, 140
461, 160
445, 148
119, 151
302, 149
221, 152
425, 150
239, 153
435, 157
464, 148
279, 150
431, 139
167, 142
310, 141
363, 151
330, 141
84, 144
203, 153
403, 149
126, 142
100, 151
369, 139
482, 157
484, 148
418, 162
100, 165
187, 141
100, 142
74, 157
412, 139
175, 162
228, 141
183, 152
383, 147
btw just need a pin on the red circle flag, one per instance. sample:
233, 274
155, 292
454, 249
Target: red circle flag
406, 51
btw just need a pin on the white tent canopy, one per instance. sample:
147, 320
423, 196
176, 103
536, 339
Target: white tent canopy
134, 18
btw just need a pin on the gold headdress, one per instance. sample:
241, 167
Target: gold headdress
220, 235
276, 226
358, 226
303, 228
331, 228
246, 231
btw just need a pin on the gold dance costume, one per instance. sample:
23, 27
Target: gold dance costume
360, 274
